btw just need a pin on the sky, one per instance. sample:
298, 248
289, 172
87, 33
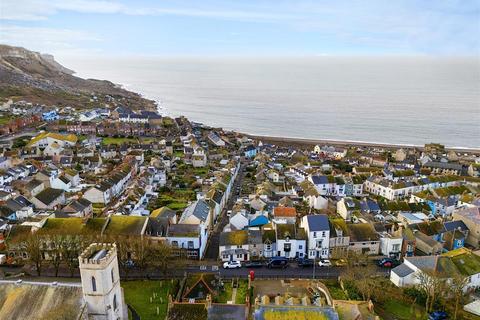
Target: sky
243, 27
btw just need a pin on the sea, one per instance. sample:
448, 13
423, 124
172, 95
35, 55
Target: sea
397, 100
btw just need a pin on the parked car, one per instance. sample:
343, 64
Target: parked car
388, 263
254, 264
305, 263
277, 262
232, 265
324, 263
438, 315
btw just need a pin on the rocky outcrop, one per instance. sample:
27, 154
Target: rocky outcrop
30, 75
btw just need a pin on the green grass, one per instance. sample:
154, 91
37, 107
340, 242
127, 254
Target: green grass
138, 293
242, 291
401, 310
110, 140
337, 293
225, 295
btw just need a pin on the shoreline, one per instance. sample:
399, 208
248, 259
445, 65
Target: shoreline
344, 143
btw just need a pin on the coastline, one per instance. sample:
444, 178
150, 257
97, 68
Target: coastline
344, 143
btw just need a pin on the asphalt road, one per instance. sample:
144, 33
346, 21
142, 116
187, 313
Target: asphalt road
291, 272
211, 252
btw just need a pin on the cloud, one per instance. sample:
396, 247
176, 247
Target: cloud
35, 10
45, 39
402, 26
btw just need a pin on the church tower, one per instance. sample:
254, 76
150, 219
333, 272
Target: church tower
101, 282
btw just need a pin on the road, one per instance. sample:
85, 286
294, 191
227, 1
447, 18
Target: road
211, 252
291, 272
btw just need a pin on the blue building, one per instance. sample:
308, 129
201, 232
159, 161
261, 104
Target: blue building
50, 116
250, 151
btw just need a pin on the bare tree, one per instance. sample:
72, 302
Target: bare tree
456, 287
162, 257
431, 283
54, 244
69, 249
32, 246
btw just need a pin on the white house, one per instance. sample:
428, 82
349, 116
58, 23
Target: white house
346, 206
444, 265
190, 238
317, 229
291, 241
391, 245
233, 246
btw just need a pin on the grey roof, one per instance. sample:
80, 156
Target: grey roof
442, 165
318, 222
454, 225
254, 237
48, 195
183, 230
402, 270
227, 312
423, 262
319, 179
199, 209
217, 196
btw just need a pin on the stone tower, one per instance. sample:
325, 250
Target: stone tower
101, 282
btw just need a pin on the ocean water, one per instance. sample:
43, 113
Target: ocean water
402, 100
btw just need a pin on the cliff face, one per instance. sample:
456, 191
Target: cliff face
36, 77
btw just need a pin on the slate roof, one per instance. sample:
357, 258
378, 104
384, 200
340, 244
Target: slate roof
455, 225
217, 196
318, 222
402, 270
199, 209
320, 180
183, 230
227, 312
48, 195
254, 237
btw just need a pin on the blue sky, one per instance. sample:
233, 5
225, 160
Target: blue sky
243, 27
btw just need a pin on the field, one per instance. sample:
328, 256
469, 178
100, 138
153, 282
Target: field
138, 294
110, 140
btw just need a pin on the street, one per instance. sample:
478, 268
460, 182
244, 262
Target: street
211, 252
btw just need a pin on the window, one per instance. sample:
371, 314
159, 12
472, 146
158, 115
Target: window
94, 284
114, 302
314, 234
190, 244
175, 243
323, 233
300, 247
111, 273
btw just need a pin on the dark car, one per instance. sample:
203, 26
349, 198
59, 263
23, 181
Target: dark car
305, 263
438, 315
388, 263
254, 264
277, 262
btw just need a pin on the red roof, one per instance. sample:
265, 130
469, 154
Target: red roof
284, 212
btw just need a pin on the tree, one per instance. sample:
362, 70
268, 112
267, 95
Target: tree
70, 249
361, 274
432, 284
456, 286
162, 257
32, 246
54, 243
